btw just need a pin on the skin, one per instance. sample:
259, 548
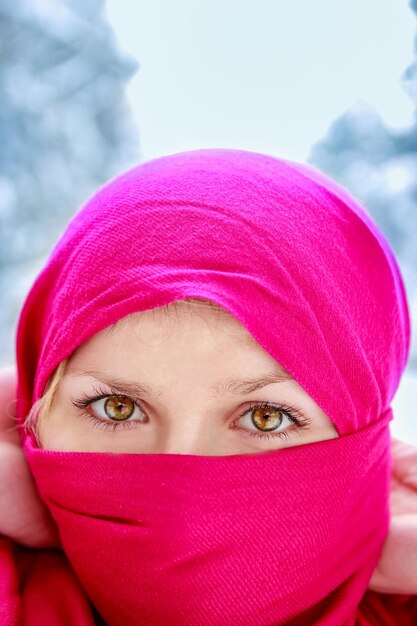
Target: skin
183, 357
23, 516
25, 519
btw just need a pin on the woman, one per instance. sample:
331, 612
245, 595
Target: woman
224, 464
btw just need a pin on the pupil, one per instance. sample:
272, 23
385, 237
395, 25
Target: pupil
266, 419
119, 407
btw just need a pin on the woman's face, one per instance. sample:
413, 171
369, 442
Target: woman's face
178, 382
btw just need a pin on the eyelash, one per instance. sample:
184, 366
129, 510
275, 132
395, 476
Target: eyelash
291, 412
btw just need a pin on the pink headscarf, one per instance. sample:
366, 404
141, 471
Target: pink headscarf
290, 536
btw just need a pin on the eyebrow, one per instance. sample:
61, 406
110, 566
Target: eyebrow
247, 385
235, 386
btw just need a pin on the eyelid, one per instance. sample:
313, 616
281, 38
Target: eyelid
291, 412
101, 403
100, 392
289, 409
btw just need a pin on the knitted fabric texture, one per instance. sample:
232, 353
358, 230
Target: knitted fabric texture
290, 536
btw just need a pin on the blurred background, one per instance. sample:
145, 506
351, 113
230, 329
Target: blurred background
88, 88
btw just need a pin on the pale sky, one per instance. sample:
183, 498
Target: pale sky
265, 75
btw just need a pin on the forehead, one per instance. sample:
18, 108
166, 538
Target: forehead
181, 335
181, 315
196, 342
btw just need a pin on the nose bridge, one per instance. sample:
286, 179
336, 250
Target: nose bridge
186, 432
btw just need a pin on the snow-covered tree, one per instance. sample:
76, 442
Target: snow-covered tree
65, 128
378, 165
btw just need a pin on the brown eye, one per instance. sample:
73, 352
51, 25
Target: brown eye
119, 408
266, 418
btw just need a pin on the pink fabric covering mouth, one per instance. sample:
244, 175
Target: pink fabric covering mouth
182, 539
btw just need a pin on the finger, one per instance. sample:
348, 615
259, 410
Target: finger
8, 381
397, 569
400, 448
403, 501
405, 463
24, 517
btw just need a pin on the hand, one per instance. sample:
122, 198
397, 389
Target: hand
23, 516
396, 572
